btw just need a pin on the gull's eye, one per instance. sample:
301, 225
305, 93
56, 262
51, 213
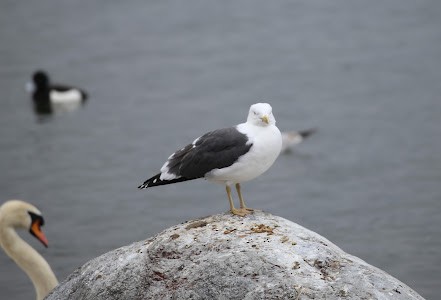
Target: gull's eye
255, 113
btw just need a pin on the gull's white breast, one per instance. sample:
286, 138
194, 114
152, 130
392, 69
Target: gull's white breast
267, 143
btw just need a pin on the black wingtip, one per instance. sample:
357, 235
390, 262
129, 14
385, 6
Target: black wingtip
156, 181
150, 182
307, 132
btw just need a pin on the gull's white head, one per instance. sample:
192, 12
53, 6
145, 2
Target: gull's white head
261, 114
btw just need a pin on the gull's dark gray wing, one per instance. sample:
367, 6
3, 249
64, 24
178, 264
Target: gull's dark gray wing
214, 150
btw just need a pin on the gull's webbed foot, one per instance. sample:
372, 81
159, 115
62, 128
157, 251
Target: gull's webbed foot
241, 211
247, 208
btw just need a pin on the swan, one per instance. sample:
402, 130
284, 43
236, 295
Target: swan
19, 214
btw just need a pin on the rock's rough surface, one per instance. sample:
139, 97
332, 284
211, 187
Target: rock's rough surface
260, 256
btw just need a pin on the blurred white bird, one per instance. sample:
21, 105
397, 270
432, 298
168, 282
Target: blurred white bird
16, 214
291, 138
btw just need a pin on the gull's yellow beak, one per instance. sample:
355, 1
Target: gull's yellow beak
265, 119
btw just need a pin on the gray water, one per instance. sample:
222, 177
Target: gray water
367, 74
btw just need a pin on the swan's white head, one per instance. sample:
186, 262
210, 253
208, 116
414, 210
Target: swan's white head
261, 114
20, 214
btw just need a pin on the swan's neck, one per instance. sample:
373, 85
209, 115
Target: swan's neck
29, 261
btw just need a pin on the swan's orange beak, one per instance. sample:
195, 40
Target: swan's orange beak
36, 231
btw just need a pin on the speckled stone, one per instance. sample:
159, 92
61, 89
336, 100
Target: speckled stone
260, 256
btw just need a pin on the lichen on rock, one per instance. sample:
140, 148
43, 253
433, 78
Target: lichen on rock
260, 256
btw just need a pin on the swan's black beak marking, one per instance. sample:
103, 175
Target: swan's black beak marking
36, 222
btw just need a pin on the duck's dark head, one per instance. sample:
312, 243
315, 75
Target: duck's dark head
39, 88
40, 79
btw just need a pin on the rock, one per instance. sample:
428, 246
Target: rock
260, 256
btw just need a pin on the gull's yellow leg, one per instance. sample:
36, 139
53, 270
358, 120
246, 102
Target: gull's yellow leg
233, 210
242, 203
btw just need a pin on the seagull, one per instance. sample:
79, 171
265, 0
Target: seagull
228, 156
291, 138
53, 97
